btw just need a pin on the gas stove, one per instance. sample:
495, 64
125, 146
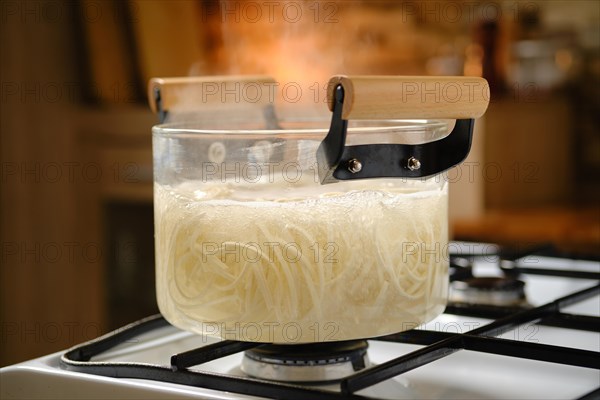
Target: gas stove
519, 325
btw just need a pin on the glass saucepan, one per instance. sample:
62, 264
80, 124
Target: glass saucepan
257, 240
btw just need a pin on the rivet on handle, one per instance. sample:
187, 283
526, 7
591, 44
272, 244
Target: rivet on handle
354, 166
413, 164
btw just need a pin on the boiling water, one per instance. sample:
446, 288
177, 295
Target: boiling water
315, 267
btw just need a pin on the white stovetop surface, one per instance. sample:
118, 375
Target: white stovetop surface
462, 375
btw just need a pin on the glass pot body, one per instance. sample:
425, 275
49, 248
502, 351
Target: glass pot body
251, 247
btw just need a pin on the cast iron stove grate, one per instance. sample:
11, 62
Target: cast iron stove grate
436, 346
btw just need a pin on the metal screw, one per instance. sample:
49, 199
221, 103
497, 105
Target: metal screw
413, 164
354, 166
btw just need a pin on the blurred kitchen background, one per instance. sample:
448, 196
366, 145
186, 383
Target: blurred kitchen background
76, 204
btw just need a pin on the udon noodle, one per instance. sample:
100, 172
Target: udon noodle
324, 267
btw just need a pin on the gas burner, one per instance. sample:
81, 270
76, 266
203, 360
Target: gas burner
460, 268
314, 362
489, 290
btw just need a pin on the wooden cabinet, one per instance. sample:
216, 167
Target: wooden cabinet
528, 153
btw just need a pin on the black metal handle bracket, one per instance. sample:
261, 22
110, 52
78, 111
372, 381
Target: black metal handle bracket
336, 161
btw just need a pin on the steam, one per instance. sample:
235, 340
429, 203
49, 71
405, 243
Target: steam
296, 42
299, 44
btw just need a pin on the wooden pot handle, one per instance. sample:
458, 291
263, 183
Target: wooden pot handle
188, 93
411, 97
